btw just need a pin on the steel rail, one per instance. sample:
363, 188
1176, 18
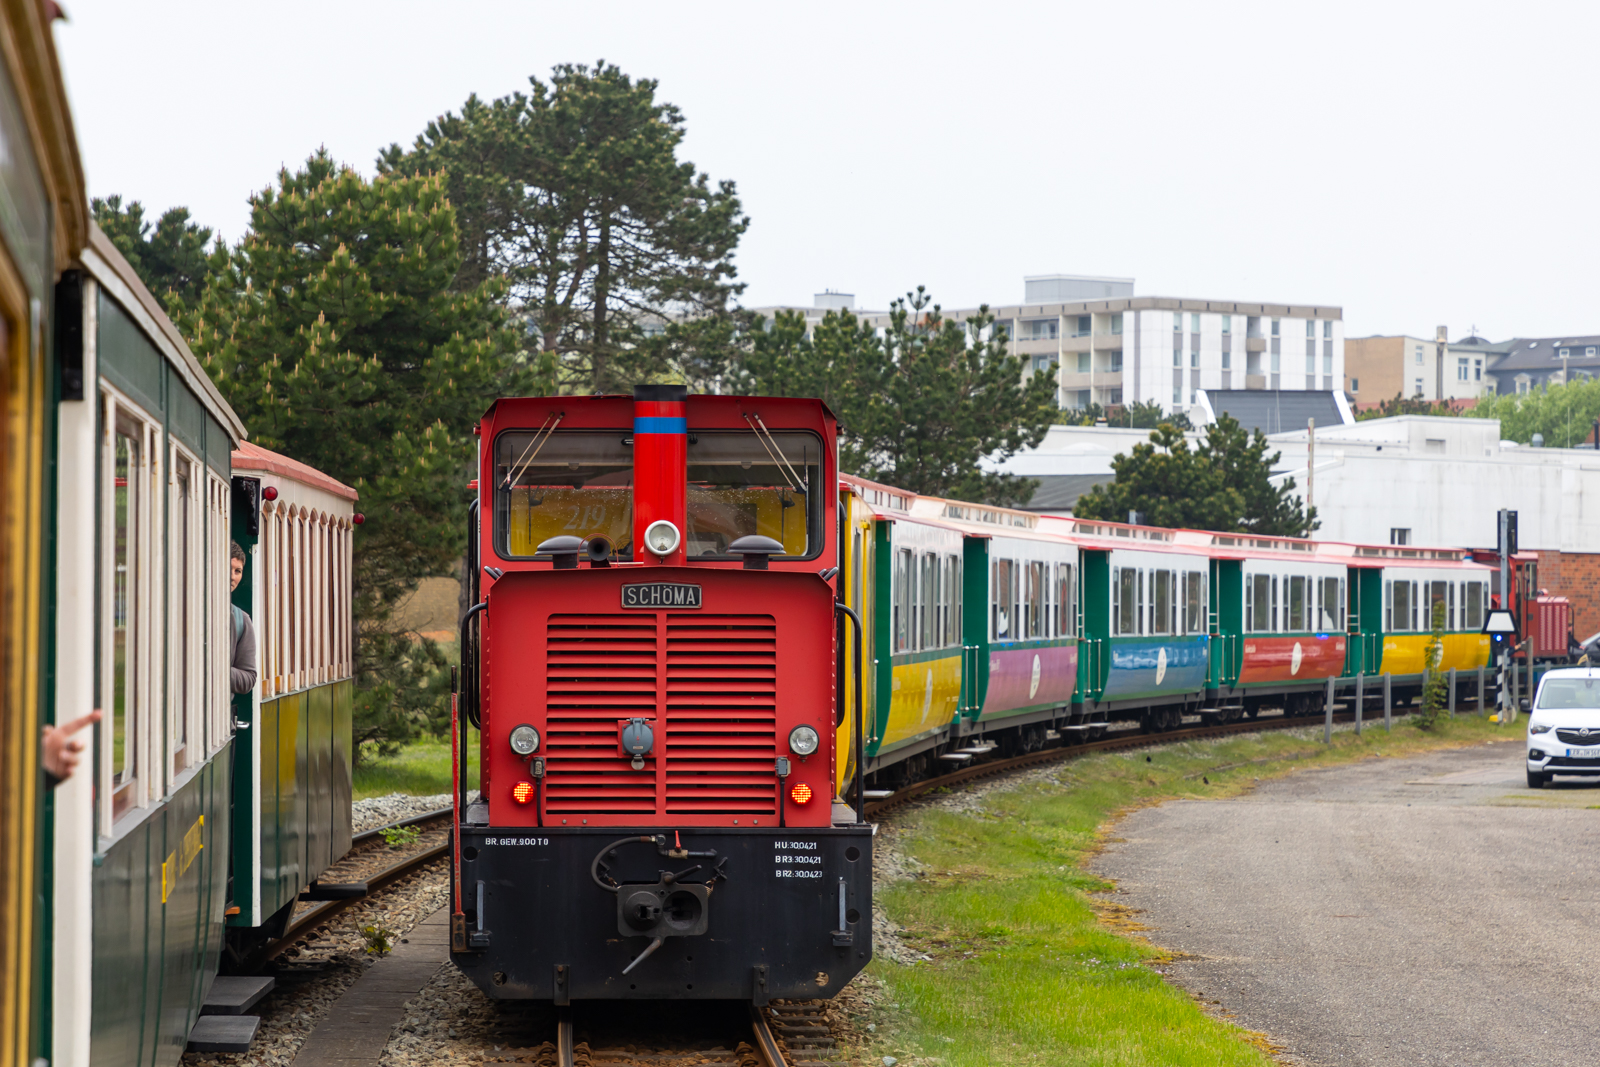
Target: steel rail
320, 914
766, 1042
416, 820
1133, 739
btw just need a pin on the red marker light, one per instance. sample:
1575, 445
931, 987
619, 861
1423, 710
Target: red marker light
358, 518
269, 493
801, 793
522, 792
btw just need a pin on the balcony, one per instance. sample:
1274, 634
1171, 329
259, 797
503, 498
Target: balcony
1255, 344
1108, 342
1040, 347
1255, 381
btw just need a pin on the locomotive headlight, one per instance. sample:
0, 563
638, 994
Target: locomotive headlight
525, 740
661, 537
803, 740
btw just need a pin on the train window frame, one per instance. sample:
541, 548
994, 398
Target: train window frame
1260, 603
1161, 602
186, 747
1294, 604
952, 585
1033, 600
1002, 577
1194, 603
1127, 600
1472, 606
902, 599
145, 774
1330, 619
928, 608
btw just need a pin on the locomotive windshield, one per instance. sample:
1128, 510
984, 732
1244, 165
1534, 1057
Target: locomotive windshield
741, 483
547, 485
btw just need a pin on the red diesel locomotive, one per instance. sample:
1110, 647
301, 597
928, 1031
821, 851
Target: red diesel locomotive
653, 668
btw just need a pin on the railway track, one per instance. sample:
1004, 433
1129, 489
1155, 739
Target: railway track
779, 1035
308, 921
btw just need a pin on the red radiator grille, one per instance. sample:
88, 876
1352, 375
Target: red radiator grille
715, 718
598, 669
721, 714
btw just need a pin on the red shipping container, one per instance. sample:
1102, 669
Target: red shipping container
1548, 635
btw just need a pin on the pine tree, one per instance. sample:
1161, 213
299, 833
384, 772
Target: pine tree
1224, 484
574, 194
334, 332
170, 260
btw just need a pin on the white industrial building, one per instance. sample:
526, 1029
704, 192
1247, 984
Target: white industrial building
1412, 479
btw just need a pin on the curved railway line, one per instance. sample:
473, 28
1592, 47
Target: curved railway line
783, 1034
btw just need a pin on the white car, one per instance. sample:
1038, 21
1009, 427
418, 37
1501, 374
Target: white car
1564, 725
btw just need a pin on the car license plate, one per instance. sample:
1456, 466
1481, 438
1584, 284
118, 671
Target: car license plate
1583, 753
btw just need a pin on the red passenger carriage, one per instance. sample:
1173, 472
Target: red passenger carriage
656, 681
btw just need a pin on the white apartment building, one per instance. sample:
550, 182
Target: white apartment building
1117, 348
1166, 349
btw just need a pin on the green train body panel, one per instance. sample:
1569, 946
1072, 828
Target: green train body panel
1227, 630
306, 789
154, 958
974, 624
1364, 594
1094, 652
881, 681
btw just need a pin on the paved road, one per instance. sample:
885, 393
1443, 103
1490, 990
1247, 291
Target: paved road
1421, 911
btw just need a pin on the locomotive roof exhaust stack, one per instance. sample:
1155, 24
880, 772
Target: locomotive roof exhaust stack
660, 474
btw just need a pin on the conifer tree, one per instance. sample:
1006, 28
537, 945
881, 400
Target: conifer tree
574, 194
334, 332
170, 258
1223, 484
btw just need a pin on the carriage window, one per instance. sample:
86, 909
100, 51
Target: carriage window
1296, 604
1259, 603
1330, 604
1194, 601
1161, 594
1472, 606
952, 600
1401, 609
902, 599
1001, 601
125, 515
1438, 593
1066, 601
1130, 600
930, 602
1033, 599
184, 552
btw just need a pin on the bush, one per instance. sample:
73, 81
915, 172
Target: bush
1435, 688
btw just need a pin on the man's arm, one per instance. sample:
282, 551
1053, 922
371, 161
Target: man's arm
243, 676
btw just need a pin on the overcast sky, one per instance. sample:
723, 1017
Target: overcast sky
1414, 164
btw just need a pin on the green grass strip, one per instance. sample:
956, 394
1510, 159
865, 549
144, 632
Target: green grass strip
1027, 967
420, 769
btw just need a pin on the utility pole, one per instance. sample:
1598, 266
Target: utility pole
1507, 541
1311, 464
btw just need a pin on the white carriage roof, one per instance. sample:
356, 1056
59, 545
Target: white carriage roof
249, 457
